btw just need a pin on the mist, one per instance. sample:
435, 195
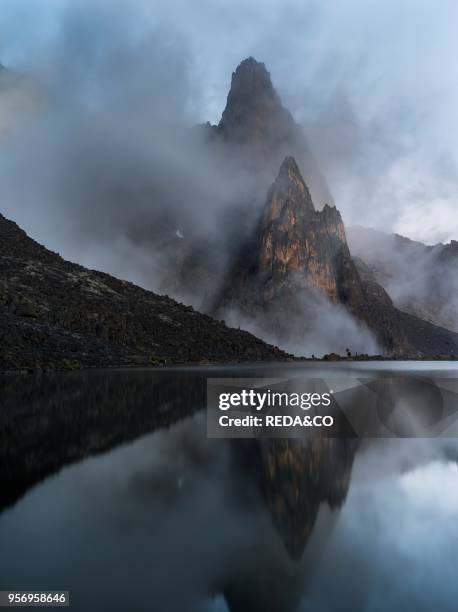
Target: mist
421, 279
102, 158
380, 114
112, 173
308, 324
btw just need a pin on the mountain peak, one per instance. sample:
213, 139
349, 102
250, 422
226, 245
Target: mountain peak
251, 78
289, 186
289, 169
15, 242
288, 199
255, 118
254, 113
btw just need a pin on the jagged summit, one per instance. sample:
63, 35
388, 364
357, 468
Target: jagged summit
294, 248
250, 64
255, 123
289, 194
289, 173
255, 118
254, 113
250, 81
289, 168
297, 241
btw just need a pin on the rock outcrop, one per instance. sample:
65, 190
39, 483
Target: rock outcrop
298, 254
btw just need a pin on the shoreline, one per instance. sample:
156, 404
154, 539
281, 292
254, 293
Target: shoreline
326, 359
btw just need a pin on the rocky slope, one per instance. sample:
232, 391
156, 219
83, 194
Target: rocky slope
422, 280
54, 313
299, 253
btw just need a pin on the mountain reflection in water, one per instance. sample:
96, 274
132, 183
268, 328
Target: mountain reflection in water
177, 522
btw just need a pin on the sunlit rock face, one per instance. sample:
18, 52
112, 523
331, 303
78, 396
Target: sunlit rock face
298, 256
299, 246
295, 251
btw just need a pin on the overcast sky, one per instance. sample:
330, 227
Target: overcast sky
374, 82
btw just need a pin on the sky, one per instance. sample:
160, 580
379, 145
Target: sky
374, 83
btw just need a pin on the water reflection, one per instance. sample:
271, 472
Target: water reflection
297, 477
49, 421
177, 522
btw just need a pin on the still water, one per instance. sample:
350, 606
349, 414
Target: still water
110, 489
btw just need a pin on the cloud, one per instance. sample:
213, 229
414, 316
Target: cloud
313, 326
372, 82
112, 172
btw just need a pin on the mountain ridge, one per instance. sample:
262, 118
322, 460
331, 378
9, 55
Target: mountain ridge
57, 314
421, 279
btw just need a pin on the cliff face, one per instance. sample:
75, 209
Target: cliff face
298, 254
299, 246
54, 313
